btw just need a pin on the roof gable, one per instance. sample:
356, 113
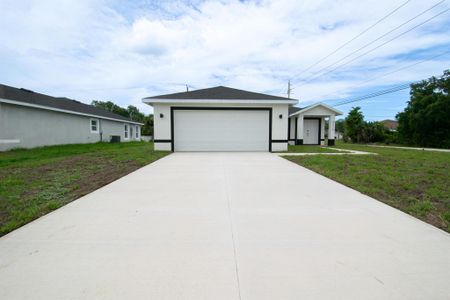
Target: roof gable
219, 93
316, 107
59, 103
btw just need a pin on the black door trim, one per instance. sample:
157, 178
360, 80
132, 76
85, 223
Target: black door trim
320, 129
289, 128
173, 108
295, 131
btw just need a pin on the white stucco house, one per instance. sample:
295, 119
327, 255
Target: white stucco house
228, 119
29, 119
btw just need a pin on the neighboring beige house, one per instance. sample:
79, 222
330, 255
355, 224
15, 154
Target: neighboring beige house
391, 125
228, 119
29, 119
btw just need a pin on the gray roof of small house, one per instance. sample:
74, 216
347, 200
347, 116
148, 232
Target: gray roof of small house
219, 92
294, 109
29, 97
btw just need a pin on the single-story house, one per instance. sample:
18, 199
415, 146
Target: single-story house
29, 119
228, 119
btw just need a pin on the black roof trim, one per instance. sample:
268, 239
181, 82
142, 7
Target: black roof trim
219, 92
30, 97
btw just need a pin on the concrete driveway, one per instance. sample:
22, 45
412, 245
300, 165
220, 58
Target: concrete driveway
225, 226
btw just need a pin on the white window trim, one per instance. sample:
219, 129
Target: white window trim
126, 129
138, 133
98, 125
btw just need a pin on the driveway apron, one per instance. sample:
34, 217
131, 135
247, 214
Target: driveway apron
225, 226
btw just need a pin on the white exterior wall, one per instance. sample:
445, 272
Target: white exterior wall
322, 131
292, 131
26, 127
162, 126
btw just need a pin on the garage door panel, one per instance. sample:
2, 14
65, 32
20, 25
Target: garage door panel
221, 130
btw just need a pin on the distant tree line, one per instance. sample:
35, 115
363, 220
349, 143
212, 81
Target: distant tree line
131, 112
425, 121
357, 130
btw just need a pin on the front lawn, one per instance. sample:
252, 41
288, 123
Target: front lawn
34, 182
416, 182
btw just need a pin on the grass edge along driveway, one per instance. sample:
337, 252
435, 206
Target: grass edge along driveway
34, 182
416, 182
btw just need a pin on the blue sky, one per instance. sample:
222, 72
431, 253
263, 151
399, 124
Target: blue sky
126, 50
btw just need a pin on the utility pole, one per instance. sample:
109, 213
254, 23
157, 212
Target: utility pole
187, 88
289, 89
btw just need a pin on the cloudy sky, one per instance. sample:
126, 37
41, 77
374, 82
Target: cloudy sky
125, 50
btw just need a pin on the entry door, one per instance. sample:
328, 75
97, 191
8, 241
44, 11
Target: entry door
311, 131
221, 130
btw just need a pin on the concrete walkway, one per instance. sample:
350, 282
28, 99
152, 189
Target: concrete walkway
341, 152
411, 148
248, 226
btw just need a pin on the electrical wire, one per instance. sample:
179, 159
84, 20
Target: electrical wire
380, 37
377, 47
376, 94
352, 39
389, 73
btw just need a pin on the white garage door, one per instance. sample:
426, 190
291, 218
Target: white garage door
221, 130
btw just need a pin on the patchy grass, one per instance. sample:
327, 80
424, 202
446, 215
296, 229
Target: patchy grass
416, 182
36, 181
311, 149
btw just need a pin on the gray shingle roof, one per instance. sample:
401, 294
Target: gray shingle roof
294, 109
219, 92
30, 97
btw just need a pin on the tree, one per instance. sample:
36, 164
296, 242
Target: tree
373, 132
108, 105
353, 125
147, 129
340, 125
134, 114
426, 119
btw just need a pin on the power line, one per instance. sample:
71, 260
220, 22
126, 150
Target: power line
389, 73
352, 39
377, 47
376, 94
380, 37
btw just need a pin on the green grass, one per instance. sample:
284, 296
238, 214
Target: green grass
416, 182
37, 181
311, 149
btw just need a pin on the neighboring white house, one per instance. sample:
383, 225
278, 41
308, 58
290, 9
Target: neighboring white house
226, 119
29, 119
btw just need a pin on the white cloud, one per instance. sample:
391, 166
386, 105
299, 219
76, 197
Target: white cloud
120, 51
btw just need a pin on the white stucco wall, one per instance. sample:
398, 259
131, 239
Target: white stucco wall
162, 126
26, 127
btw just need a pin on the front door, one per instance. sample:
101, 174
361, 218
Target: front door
311, 132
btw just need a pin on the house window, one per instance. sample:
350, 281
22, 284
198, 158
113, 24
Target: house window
94, 125
137, 131
126, 132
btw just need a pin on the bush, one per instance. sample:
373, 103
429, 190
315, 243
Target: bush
357, 130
